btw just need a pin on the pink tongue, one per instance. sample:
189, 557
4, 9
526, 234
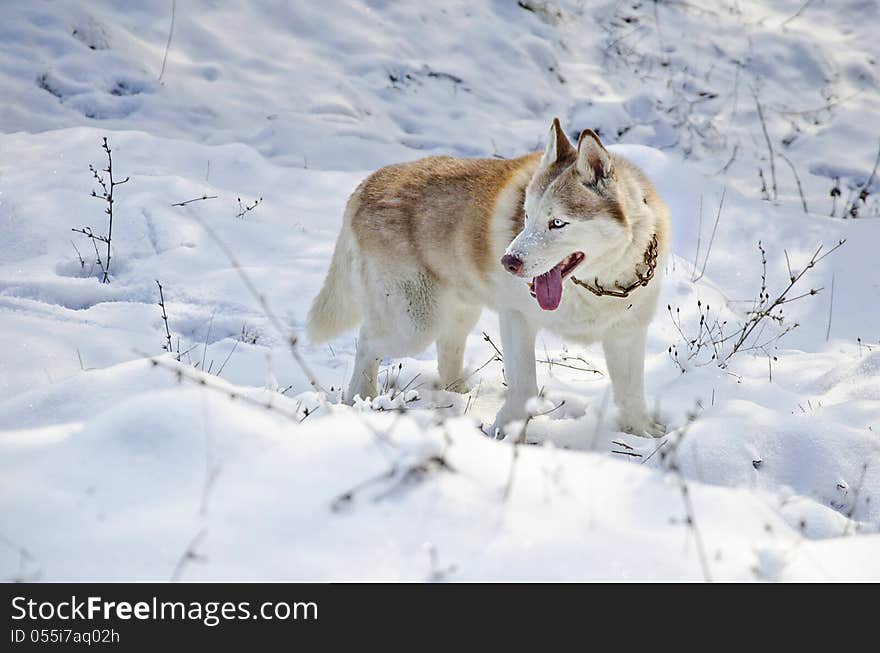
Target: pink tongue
548, 288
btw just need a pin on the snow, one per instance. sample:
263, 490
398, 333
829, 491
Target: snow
115, 468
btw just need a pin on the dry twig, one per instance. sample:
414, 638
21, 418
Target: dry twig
168, 44
196, 199
167, 345
767, 139
108, 186
797, 180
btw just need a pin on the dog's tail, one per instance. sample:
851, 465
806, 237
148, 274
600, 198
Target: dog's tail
336, 309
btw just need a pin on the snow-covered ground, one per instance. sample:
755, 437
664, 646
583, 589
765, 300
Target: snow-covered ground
230, 466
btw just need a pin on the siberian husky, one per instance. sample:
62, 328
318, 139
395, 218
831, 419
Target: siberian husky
567, 240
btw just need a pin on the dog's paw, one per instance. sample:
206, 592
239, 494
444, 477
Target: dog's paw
492, 431
500, 429
508, 421
642, 426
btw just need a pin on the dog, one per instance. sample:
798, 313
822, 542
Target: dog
567, 240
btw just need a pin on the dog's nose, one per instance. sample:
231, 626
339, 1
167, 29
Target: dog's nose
512, 264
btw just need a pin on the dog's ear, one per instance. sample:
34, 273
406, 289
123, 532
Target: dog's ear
593, 161
559, 148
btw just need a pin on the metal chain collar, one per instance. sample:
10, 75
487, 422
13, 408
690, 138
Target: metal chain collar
642, 279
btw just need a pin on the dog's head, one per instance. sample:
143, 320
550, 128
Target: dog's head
573, 215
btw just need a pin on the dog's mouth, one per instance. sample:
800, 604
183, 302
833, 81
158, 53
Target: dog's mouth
547, 287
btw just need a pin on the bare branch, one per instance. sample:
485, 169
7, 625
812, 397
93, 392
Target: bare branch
108, 185
797, 180
167, 345
196, 199
244, 209
797, 13
712, 237
168, 44
766, 138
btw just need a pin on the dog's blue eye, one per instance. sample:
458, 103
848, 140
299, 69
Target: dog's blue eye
556, 223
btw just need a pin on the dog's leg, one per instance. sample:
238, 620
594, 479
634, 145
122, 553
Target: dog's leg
625, 358
518, 349
366, 368
450, 348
